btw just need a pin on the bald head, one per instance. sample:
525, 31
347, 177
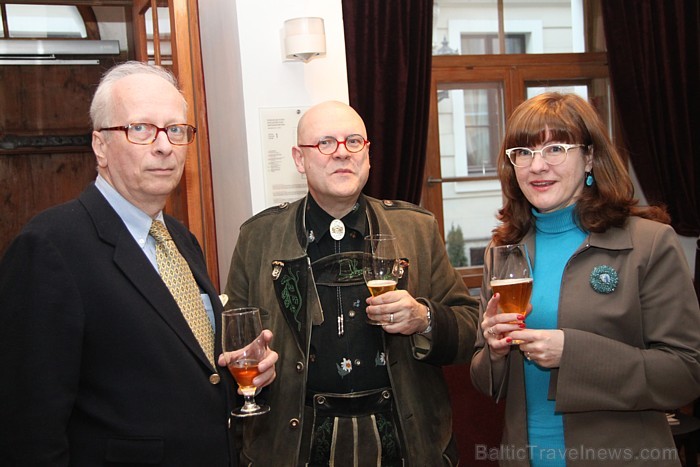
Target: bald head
335, 180
328, 114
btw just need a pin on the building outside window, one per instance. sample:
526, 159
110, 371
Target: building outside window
472, 106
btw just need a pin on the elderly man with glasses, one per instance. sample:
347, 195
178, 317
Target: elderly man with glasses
348, 392
110, 326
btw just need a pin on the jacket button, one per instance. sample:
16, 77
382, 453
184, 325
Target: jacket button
300, 367
215, 378
294, 423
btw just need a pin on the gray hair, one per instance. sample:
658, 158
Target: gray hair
102, 102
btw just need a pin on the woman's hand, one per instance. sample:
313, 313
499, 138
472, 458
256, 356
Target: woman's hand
542, 346
498, 326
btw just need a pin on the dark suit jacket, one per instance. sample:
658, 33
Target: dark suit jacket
97, 364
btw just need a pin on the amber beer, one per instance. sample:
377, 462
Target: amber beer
380, 286
515, 294
244, 371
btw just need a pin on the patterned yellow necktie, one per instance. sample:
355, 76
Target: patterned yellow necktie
178, 277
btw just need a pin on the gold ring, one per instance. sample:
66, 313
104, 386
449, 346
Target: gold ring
491, 331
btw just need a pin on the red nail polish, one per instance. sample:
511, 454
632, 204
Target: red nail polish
509, 339
521, 317
522, 325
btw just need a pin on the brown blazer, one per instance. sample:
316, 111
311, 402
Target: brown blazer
628, 355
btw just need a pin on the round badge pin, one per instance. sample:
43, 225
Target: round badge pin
337, 229
604, 279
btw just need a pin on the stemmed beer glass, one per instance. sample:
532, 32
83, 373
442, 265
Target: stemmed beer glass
511, 276
381, 266
243, 348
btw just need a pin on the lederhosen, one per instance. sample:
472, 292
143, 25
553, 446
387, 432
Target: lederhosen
350, 416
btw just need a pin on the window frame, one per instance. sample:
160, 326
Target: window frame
515, 72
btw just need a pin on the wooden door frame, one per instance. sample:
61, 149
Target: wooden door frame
193, 201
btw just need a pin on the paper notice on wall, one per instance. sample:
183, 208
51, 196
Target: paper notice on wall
278, 130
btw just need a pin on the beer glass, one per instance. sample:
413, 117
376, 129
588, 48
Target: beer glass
511, 276
381, 266
243, 348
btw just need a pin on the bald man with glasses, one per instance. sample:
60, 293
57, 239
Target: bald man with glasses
347, 392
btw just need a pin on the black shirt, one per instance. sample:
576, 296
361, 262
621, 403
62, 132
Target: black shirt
347, 354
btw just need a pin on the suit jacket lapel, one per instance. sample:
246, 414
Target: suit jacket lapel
129, 257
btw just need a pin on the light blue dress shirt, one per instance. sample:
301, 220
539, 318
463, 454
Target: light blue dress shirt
138, 223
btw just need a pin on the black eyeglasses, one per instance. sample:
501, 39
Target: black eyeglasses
328, 145
180, 134
552, 154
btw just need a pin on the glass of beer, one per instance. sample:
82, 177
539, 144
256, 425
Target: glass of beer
243, 348
381, 266
511, 276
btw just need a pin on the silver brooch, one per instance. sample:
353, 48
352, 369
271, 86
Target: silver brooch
604, 279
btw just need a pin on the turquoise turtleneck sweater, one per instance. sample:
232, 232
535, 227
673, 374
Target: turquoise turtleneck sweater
557, 237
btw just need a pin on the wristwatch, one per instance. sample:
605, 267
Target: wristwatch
429, 315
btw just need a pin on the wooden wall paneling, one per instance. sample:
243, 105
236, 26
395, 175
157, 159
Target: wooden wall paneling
30, 183
40, 99
45, 154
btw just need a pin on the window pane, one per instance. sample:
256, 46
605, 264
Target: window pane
482, 44
597, 93
165, 47
556, 26
471, 122
45, 21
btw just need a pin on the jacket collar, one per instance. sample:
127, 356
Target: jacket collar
615, 238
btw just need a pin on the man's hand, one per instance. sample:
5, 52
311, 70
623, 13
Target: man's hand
398, 312
266, 366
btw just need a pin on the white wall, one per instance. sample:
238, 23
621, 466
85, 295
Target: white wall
245, 74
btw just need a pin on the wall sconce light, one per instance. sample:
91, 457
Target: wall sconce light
304, 38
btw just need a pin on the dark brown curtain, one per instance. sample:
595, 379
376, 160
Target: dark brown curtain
389, 52
654, 60
697, 269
